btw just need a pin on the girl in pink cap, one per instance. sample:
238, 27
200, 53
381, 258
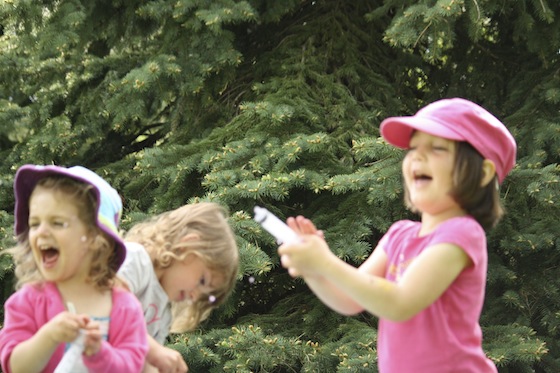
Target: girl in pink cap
426, 279
66, 258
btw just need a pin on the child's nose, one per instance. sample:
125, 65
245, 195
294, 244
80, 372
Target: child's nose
42, 229
419, 151
418, 154
195, 294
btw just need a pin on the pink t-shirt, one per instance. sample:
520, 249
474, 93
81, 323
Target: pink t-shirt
446, 336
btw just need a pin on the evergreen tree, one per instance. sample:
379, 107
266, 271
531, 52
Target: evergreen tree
278, 104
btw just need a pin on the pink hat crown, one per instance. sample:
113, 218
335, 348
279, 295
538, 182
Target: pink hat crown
460, 120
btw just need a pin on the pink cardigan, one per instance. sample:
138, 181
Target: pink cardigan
34, 305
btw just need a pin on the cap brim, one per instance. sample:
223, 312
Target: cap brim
398, 130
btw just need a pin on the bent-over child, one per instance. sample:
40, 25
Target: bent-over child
426, 279
67, 254
180, 264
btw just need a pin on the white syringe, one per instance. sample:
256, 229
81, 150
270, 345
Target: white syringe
75, 351
275, 226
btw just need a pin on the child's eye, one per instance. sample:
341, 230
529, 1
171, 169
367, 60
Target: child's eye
202, 281
60, 224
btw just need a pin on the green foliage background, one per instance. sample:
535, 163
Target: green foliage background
278, 103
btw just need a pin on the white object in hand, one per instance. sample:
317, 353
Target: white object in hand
74, 352
72, 355
275, 226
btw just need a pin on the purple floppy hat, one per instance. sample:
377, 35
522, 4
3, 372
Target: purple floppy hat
109, 209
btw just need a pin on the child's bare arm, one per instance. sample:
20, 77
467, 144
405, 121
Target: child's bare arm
164, 359
349, 290
297, 265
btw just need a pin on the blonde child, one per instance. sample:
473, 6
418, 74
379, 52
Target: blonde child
425, 280
180, 264
68, 251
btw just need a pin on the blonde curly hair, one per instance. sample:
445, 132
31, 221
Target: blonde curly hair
162, 237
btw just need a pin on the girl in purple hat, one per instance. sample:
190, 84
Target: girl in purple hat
67, 255
426, 279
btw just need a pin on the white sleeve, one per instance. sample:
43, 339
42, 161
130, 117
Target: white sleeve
133, 269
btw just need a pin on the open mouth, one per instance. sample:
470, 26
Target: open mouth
49, 255
184, 299
421, 177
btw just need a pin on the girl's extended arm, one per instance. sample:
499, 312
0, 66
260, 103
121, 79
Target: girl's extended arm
327, 291
348, 290
325, 284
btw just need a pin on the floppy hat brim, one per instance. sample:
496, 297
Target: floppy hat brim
398, 130
25, 181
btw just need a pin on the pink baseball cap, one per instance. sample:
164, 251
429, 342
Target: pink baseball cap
109, 204
460, 120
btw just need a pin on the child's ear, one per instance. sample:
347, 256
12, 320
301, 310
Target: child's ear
95, 240
488, 172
